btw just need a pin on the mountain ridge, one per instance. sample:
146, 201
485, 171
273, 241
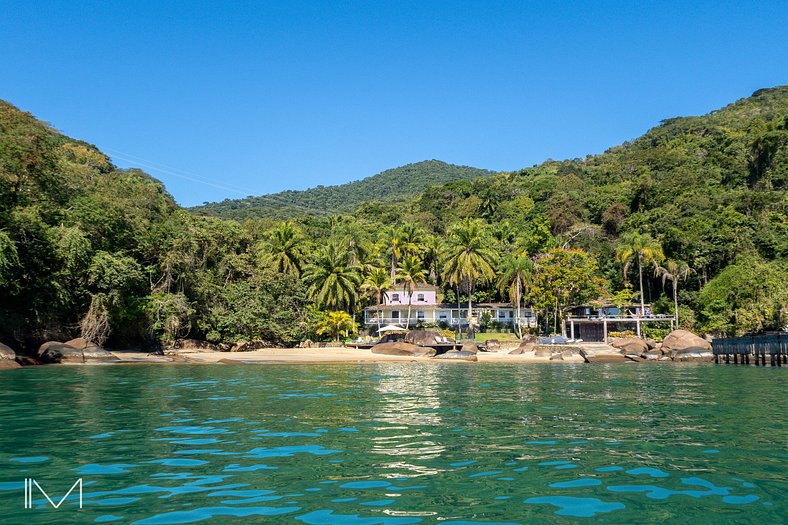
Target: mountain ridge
391, 185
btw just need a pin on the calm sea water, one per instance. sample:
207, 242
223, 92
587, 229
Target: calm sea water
396, 444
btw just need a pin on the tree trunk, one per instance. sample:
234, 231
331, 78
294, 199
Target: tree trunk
640, 274
517, 329
470, 306
379, 311
407, 321
676, 301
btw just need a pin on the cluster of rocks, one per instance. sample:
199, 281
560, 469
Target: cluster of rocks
77, 350
679, 345
421, 343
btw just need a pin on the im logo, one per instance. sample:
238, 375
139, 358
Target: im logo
29, 483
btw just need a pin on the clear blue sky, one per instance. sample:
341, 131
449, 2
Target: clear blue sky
266, 96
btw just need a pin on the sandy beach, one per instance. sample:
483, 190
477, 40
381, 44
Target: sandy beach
319, 355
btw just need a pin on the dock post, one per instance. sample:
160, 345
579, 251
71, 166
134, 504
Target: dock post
637, 325
727, 357
572, 328
771, 358
604, 330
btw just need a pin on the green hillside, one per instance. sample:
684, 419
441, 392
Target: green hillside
391, 185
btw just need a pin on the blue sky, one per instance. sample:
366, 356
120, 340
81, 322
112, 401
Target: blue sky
257, 97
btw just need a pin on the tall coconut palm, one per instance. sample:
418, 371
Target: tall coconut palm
333, 282
468, 257
399, 242
674, 271
377, 283
284, 244
643, 248
516, 272
411, 272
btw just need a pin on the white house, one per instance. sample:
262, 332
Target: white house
425, 308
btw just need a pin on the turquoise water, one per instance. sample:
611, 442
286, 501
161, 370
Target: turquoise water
396, 444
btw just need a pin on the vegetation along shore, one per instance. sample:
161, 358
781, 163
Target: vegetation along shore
687, 224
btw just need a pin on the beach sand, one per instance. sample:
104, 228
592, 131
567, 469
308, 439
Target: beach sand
318, 355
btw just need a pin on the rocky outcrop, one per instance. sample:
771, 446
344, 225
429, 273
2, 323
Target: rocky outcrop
56, 352
250, 346
470, 347
527, 344
681, 345
652, 355
684, 341
630, 345
403, 349
7, 358
426, 338
457, 355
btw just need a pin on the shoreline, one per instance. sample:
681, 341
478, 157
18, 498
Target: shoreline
326, 355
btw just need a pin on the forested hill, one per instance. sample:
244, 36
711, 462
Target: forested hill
391, 185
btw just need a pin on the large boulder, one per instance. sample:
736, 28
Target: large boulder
80, 343
250, 346
527, 344
630, 345
56, 352
7, 358
684, 341
457, 355
652, 355
470, 346
425, 337
404, 349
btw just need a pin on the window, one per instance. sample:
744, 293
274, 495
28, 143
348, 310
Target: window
420, 316
420, 297
395, 297
395, 314
501, 314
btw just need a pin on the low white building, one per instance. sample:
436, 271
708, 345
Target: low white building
425, 308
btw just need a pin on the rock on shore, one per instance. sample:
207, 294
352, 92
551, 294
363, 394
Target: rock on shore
681, 345
57, 352
403, 348
7, 358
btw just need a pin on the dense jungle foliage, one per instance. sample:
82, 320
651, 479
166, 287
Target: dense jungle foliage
697, 206
394, 185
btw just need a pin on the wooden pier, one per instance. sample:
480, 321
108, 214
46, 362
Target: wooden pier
739, 350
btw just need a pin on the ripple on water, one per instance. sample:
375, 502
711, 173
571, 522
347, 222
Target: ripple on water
204, 513
577, 507
29, 459
327, 517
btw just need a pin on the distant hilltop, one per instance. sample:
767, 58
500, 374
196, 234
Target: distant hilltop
393, 185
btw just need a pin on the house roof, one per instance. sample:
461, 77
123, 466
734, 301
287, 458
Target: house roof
441, 306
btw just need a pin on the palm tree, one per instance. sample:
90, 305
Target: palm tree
333, 282
515, 278
334, 323
468, 256
398, 242
674, 271
645, 249
377, 283
284, 243
411, 272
